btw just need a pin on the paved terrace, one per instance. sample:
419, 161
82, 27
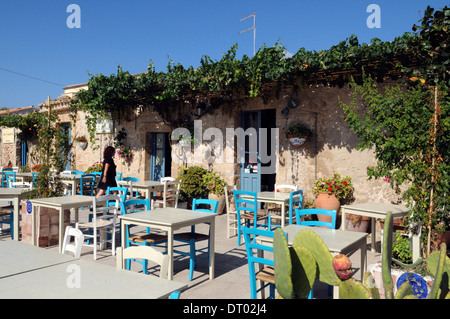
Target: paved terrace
231, 270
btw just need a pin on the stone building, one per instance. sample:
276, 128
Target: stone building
331, 148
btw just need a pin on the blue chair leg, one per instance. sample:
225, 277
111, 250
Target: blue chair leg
192, 263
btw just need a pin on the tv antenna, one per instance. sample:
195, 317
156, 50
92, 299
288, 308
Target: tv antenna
252, 28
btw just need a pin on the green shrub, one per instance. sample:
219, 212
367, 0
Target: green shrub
192, 184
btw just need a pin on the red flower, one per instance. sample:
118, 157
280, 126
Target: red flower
330, 189
344, 182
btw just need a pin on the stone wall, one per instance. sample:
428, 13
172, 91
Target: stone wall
331, 149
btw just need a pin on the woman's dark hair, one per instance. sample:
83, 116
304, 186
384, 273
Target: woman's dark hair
109, 151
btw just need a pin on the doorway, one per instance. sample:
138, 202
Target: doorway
161, 156
255, 175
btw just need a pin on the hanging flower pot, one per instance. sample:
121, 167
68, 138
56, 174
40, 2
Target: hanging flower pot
298, 134
297, 141
82, 145
82, 142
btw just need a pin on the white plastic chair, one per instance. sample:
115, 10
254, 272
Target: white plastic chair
143, 252
76, 248
169, 195
102, 224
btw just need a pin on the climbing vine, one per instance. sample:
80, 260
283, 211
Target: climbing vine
229, 81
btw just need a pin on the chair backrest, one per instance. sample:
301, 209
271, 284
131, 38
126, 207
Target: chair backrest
253, 258
130, 205
285, 188
167, 179
122, 192
316, 211
171, 193
4, 170
229, 198
131, 179
245, 204
77, 172
21, 185
105, 203
87, 183
118, 176
10, 177
144, 252
213, 205
66, 173
75, 249
96, 173
295, 201
35, 176
199, 204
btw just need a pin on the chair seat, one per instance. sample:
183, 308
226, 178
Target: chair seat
189, 236
148, 238
251, 216
267, 274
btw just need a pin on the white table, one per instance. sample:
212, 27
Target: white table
337, 241
54, 276
374, 210
18, 257
15, 195
274, 198
61, 204
145, 187
170, 219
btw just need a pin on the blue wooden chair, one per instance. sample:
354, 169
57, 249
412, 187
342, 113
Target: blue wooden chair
122, 192
10, 177
87, 184
266, 274
4, 170
118, 176
247, 211
34, 177
77, 172
130, 180
193, 237
314, 212
149, 239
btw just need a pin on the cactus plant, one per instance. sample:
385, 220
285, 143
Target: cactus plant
308, 259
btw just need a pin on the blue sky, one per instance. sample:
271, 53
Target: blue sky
36, 41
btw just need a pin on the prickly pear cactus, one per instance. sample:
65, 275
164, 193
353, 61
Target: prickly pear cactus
304, 271
387, 257
282, 265
312, 242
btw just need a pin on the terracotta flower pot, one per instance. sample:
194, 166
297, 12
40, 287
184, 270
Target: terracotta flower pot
326, 201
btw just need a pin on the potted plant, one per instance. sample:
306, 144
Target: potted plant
215, 185
96, 167
81, 141
192, 185
331, 192
297, 134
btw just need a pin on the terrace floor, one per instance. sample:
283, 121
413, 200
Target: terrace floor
231, 271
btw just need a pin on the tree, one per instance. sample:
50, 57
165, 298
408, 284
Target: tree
408, 125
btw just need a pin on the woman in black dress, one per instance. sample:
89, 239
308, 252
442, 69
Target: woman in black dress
108, 177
